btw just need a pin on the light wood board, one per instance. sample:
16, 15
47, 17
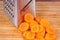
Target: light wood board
47, 10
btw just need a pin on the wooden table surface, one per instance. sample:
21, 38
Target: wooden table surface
47, 10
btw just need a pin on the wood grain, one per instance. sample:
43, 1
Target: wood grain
47, 10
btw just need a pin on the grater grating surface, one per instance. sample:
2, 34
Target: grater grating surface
9, 6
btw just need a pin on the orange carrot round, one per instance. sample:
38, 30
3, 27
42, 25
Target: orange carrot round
45, 23
38, 19
41, 28
50, 30
24, 33
34, 28
23, 27
33, 23
28, 17
42, 38
50, 37
40, 34
29, 35
19, 31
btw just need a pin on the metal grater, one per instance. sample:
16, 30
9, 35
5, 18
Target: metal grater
15, 8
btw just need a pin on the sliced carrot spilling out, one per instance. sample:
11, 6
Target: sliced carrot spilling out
42, 38
50, 37
45, 23
28, 17
41, 28
29, 35
36, 28
25, 33
33, 23
40, 34
50, 30
19, 31
23, 26
38, 19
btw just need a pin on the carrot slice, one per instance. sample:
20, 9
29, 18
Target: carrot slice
50, 30
41, 28
45, 23
23, 27
19, 31
28, 17
29, 35
24, 33
33, 23
42, 38
50, 37
40, 34
38, 19
35, 28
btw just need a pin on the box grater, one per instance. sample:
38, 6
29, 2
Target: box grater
15, 9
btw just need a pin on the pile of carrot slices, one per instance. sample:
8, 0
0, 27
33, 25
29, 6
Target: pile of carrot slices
36, 28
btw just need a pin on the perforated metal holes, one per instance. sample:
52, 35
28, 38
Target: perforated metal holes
9, 7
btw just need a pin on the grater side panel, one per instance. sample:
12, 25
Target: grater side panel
9, 6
